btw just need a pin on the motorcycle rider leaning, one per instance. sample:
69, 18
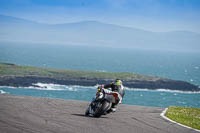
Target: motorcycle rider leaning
116, 87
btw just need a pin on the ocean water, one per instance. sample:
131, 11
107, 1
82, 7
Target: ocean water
155, 98
175, 65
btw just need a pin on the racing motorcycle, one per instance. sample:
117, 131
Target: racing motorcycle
102, 103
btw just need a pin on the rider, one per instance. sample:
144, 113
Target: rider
116, 87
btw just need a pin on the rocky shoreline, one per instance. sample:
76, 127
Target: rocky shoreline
25, 76
26, 81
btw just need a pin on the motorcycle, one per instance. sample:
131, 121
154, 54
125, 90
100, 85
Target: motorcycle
102, 103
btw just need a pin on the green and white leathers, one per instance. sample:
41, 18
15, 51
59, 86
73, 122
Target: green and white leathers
118, 82
116, 86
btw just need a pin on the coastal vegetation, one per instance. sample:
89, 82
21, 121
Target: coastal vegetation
184, 115
7, 69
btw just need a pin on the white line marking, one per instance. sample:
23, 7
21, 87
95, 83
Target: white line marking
166, 118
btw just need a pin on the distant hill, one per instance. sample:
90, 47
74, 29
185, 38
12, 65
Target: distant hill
96, 34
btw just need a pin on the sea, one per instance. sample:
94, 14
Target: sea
177, 65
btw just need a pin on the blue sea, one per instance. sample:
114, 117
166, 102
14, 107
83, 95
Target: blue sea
169, 64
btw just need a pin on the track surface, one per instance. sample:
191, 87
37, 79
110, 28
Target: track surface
20, 114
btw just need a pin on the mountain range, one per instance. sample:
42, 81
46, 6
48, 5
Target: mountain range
94, 33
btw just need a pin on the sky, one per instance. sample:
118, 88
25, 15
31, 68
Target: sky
152, 15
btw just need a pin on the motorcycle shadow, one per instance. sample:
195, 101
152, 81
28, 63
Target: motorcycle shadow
83, 115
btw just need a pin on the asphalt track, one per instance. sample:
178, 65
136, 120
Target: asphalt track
22, 114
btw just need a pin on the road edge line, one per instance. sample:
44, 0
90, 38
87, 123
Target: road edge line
166, 118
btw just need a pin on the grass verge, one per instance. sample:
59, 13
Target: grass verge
186, 116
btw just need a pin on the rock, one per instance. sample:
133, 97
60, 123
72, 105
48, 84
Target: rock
26, 81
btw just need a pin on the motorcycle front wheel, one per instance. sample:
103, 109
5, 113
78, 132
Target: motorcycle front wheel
102, 108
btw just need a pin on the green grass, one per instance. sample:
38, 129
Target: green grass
186, 116
16, 70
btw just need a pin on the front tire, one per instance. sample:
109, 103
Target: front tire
101, 109
87, 112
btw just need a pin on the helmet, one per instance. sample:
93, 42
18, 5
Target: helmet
118, 82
